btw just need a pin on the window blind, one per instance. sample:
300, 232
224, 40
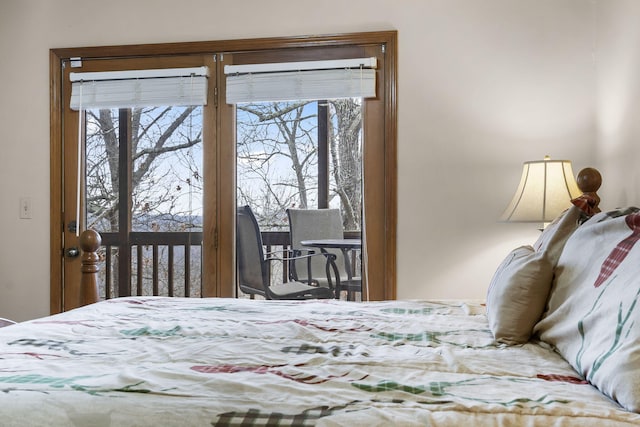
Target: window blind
139, 88
309, 80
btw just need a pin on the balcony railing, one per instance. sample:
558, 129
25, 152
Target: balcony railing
158, 263
167, 263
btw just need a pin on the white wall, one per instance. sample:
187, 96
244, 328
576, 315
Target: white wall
483, 86
618, 126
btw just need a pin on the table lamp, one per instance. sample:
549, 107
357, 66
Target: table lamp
545, 190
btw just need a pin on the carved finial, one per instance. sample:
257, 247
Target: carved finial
90, 241
589, 181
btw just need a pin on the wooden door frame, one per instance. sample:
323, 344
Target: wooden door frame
382, 284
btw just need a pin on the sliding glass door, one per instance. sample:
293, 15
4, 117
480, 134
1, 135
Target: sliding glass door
296, 147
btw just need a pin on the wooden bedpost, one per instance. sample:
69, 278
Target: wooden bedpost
589, 181
90, 241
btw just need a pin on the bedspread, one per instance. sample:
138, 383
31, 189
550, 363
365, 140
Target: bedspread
153, 361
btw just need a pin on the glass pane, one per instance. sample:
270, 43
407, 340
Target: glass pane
167, 169
276, 159
165, 185
279, 145
166, 174
278, 165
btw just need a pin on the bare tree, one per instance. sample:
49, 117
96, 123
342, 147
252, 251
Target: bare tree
277, 136
346, 155
273, 137
155, 132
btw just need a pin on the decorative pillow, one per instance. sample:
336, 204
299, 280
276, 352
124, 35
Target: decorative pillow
555, 235
519, 289
593, 315
517, 294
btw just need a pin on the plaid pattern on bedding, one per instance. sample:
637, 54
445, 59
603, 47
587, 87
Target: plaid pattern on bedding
151, 361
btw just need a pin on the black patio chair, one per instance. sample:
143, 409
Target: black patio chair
253, 265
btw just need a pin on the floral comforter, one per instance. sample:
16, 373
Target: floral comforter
152, 361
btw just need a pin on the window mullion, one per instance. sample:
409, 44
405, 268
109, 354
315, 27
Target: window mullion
124, 201
323, 155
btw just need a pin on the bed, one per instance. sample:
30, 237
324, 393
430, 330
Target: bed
156, 361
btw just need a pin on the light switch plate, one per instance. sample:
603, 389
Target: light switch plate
25, 208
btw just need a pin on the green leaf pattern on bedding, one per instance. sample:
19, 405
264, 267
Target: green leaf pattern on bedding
234, 362
581, 330
621, 330
150, 332
436, 388
436, 337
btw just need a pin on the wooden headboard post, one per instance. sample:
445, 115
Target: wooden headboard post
589, 181
90, 241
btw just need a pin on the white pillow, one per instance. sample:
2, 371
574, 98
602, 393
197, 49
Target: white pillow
555, 235
595, 323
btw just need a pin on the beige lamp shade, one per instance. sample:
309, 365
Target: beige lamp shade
545, 190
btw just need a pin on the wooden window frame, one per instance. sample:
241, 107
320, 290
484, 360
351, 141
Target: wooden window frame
381, 233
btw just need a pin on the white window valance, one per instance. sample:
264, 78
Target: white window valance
139, 88
308, 80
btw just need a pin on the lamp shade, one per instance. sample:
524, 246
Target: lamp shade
545, 190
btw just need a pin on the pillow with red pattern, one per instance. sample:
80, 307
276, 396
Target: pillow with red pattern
593, 312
